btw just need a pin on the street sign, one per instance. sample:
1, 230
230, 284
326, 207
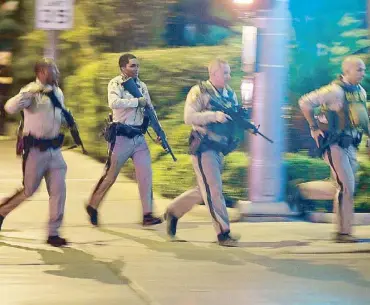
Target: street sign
54, 14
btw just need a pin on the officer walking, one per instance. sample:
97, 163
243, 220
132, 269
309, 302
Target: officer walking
127, 141
337, 130
42, 157
212, 137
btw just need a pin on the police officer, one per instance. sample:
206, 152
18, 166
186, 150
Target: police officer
128, 141
210, 140
42, 157
337, 129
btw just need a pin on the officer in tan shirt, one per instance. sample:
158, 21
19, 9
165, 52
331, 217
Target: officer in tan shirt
337, 130
42, 157
128, 114
207, 162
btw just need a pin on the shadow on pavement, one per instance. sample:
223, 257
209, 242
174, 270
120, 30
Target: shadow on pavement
74, 263
307, 269
238, 256
183, 250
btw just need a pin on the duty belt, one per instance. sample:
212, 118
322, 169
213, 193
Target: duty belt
342, 139
129, 131
43, 144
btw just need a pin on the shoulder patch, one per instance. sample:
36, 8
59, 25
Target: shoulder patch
195, 91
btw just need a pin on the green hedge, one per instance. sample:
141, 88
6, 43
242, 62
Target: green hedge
169, 73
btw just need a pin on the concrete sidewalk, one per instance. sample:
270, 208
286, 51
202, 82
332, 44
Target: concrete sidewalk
122, 263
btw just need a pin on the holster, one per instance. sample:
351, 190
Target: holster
195, 142
343, 140
109, 132
19, 146
199, 143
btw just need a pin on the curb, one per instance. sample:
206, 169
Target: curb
332, 249
318, 217
202, 211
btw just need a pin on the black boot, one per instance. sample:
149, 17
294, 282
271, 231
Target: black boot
56, 241
93, 215
171, 223
344, 238
1, 221
150, 220
227, 240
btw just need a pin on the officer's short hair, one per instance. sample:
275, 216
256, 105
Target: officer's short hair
349, 61
42, 64
124, 59
216, 64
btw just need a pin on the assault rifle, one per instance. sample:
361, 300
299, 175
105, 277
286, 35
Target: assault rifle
240, 116
130, 85
71, 122
72, 126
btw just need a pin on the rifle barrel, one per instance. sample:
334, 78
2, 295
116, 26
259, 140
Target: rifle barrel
263, 136
173, 156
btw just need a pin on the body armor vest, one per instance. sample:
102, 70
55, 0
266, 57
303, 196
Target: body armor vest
218, 137
353, 114
227, 130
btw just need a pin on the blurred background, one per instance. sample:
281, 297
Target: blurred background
175, 40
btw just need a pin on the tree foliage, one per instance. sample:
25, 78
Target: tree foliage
125, 24
324, 34
11, 23
73, 49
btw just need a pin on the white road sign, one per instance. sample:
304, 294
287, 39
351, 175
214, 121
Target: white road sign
54, 14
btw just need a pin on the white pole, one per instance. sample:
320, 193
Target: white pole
266, 176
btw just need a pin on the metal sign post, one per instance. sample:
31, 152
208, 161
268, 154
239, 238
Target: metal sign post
53, 16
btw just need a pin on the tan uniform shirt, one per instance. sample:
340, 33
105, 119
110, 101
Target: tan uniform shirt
124, 105
332, 97
41, 118
198, 111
